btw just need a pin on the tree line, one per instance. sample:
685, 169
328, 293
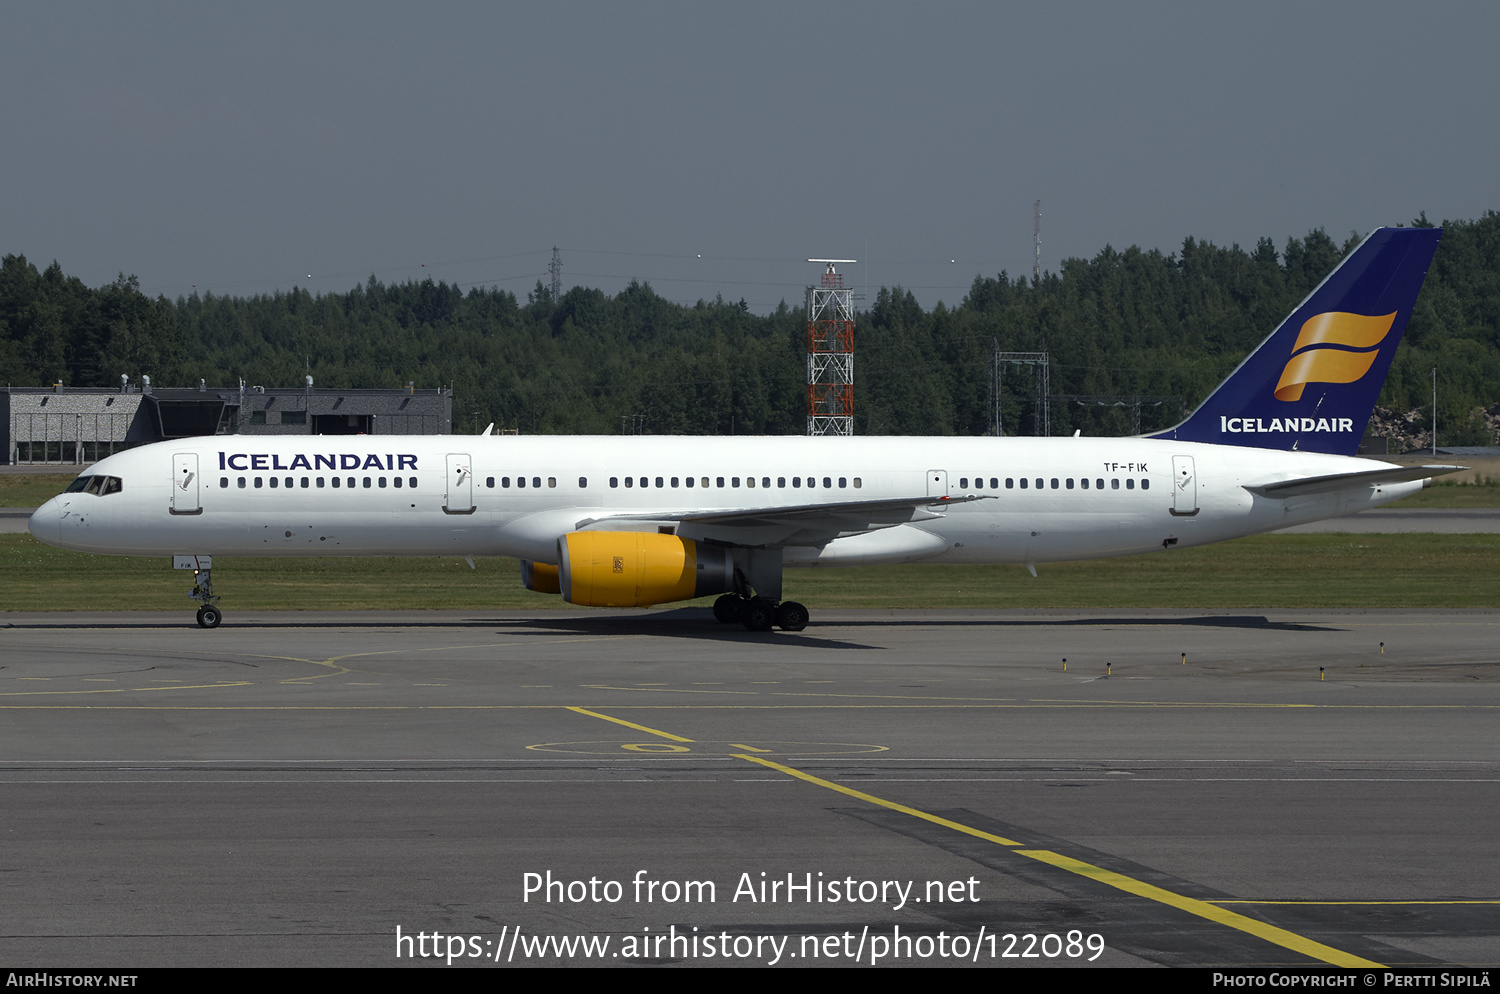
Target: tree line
1132, 323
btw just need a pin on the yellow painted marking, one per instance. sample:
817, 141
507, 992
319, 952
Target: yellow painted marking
1203, 909
881, 802
654, 747
748, 748
630, 724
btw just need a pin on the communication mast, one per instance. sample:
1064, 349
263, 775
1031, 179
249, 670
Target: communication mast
555, 268
1036, 242
830, 353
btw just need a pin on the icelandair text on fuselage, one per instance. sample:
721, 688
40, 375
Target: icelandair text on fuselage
1301, 425
749, 888
333, 460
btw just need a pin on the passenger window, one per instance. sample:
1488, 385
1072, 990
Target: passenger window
781, 482
489, 481
367, 483
750, 482
629, 481
411, 483
1054, 483
1010, 483
223, 482
350, 482
1085, 482
614, 481
720, 479
994, 483
765, 481
306, 483
242, 483
858, 483
659, 482
1023, 483
734, 481
1099, 484
842, 483
704, 482
689, 481
551, 481
1145, 484
336, 482
963, 482
273, 483
1070, 483
797, 481
259, 483
382, 483
583, 482
521, 482
536, 481
320, 482
674, 483
1039, 483
1114, 484
505, 483
396, 481
1130, 484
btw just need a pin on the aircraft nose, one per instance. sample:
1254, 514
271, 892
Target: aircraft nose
45, 523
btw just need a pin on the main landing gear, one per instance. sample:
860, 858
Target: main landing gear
758, 614
209, 614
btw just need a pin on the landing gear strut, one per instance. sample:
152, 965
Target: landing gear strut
209, 614
758, 614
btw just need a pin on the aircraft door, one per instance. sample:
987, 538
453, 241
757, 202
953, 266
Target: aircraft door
458, 492
937, 483
1184, 487
185, 499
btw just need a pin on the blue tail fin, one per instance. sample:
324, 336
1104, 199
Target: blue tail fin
1312, 384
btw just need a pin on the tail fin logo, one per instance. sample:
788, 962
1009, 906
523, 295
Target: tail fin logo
1333, 347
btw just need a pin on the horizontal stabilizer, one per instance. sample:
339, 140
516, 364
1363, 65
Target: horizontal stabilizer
1346, 481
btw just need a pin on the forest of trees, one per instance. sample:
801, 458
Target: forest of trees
1123, 323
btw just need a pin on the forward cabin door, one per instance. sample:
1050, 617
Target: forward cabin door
458, 493
185, 484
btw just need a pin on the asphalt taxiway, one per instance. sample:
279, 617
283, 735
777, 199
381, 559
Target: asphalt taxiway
1193, 788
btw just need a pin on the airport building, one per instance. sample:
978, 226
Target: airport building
78, 425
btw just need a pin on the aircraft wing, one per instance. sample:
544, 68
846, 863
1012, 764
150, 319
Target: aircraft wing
791, 524
1344, 481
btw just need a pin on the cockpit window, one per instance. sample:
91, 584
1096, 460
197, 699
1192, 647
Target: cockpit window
97, 485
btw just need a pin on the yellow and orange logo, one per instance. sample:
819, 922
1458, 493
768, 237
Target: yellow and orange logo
1322, 362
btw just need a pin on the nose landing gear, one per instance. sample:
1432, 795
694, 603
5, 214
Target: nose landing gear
209, 614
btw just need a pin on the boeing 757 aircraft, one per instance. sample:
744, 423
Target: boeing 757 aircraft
634, 521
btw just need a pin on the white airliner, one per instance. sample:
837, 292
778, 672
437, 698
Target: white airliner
633, 521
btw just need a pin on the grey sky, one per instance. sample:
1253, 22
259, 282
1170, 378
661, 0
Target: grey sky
241, 147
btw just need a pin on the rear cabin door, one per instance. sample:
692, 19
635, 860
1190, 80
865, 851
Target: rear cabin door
1184, 487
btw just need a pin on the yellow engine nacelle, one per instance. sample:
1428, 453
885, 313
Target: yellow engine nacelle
635, 569
541, 577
